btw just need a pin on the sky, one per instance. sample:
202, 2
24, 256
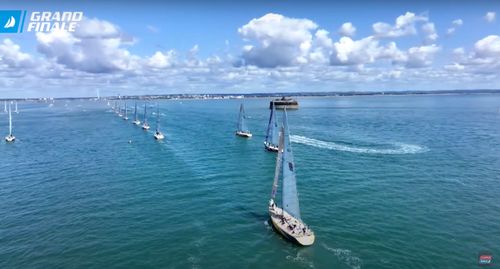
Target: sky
162, 47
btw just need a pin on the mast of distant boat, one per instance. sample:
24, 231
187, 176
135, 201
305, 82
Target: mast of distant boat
17, 111
10, 121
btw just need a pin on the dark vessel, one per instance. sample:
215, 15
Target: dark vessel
284, 102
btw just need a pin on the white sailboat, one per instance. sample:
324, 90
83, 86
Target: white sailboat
158, 135
136, 119
125, 116
286, 220
10, 137
119, 111
272, 135
145, 125
242, 129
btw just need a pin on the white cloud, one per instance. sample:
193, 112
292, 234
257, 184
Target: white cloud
347, 29
420, 56
278, 40
95, 47
430, 33
12, 56
162, 60
490, 16
404, 25
457, 22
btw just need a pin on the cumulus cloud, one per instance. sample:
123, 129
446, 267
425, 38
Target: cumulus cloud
490, 16
430, 33
359, 52
404, 25
12, 56
420, 56
162, 60
277, 40
347, 29
95, 47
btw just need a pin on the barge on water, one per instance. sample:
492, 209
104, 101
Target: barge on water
284, 102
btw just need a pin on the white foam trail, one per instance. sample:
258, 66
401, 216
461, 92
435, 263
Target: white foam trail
399, 148
345, 256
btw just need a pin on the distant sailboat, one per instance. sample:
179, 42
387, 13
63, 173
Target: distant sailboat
5, 106
17, 111
286, 220
272, 135
136, 119
119, 111
145, 125
158, 135
10, 137
125, 116
242, 127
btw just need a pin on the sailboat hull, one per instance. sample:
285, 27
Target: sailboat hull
136, 122
270, 147
159, 136
290, 228
10, 138
244, 134
145, 127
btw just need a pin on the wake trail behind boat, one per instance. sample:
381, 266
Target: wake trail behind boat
398, 148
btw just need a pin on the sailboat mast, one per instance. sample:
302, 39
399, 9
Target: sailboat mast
135, 111
17, 111
10, 121
269, 126
145, 114
125, 109
157, 117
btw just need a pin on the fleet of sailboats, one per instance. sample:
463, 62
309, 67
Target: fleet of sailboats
242, 129
287, 220
272, 134
145, 125
10, 137
158, 134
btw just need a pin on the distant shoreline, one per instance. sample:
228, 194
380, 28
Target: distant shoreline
266, 95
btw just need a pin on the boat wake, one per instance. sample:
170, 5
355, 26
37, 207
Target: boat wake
345, 256
397, 148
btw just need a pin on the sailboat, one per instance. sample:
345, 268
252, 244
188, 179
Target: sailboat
158, 135
242, 127
136, 120
5, 106
10, 137
119, 111
286, 220
17, 111
125, 116
145, 125
272, 136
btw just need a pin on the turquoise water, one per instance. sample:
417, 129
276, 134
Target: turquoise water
385, 182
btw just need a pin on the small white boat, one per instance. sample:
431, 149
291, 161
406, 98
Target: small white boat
125, 116
242, 129
145, 125
10, 137
136, 119
272, 134
158, 135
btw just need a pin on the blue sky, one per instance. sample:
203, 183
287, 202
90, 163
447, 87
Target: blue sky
254, 46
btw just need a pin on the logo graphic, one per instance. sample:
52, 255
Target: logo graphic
485, 258
10, 21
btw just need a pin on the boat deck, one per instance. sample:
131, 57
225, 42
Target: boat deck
290, 227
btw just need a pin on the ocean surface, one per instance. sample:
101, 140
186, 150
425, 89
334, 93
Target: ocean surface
384, 181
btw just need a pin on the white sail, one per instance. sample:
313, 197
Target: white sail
290, 198
241, 120
10, 121
272, 135
277, 170
157, 118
